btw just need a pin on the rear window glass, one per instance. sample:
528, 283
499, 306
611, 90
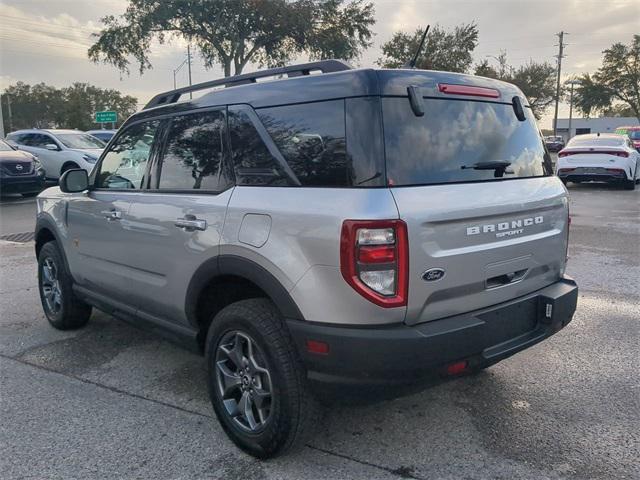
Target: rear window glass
460, 141
596, 142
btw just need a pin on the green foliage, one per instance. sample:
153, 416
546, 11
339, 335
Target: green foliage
232, 33
617, 80
43, 106
535, 79
443, 50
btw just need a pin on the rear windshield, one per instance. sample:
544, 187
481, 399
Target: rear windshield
634, 134
596, 142
460, 141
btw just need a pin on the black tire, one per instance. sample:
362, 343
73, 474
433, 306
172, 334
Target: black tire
629, 184
67, 166
287, 420
64, 311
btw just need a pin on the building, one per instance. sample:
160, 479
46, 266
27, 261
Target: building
580, 126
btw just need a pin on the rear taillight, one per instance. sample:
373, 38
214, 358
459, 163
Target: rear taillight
374, 260
616, 153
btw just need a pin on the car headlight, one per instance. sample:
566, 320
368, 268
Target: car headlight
89, 158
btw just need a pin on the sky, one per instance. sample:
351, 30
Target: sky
47, 40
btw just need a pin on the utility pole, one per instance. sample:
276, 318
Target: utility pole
1, 120
189, 65
560, 56
572, 83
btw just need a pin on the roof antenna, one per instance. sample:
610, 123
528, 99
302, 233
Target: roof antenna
412, 63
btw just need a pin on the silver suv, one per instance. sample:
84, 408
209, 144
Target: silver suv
353, 228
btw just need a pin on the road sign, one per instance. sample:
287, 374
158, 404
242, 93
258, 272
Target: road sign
106, 117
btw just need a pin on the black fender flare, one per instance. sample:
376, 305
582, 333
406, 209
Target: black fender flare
48, 224
244, 268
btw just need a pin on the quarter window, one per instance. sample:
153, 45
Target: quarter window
311, 138
193, 157
125, 163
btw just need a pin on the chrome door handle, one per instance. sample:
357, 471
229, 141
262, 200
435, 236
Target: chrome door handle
112, 214
190, 223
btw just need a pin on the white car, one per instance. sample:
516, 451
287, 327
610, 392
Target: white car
59, 150
601, 157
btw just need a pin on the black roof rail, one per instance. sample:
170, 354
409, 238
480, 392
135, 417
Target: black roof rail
325, 66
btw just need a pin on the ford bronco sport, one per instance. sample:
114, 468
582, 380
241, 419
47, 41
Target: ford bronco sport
333, 226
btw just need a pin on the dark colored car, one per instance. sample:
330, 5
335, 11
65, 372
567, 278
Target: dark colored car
554, 144
20, 172
633, 133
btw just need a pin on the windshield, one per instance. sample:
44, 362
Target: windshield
79, 140
554, 139
596, 142
5, 147
460, 141
634, 134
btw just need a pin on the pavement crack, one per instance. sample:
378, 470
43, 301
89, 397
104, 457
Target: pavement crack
402, 472
106, 387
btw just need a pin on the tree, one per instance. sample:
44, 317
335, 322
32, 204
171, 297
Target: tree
45, 106
535, 79
616, 81
232, 33
443, 50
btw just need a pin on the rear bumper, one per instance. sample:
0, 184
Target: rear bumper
402, 354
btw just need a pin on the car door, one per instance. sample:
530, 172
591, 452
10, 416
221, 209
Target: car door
103, 246
36, 143
177, 222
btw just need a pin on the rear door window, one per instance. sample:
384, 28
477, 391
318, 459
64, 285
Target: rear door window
460, 141
253, 163
193, 156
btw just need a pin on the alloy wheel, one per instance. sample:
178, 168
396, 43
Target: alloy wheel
243, 381
51, 288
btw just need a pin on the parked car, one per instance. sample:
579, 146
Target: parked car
280, 229
633, 133
20, 172
59, 150
104, 135
600, 157
554, 144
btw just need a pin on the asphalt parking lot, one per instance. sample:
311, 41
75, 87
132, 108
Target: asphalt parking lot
111, 401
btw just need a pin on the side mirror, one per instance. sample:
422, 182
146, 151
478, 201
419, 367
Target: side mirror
51, 146
74, 180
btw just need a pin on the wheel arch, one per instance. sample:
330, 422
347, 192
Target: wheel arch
225, 279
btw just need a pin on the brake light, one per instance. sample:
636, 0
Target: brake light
468, 90
616, 153
374, 260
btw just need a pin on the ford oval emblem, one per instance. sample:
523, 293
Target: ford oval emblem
433, 275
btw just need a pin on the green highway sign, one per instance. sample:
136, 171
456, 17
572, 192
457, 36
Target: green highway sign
106, 117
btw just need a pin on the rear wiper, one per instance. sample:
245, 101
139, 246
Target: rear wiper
494, 165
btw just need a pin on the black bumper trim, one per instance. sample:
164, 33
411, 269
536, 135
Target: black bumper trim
404, 354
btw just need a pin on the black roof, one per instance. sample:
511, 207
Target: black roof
339, 82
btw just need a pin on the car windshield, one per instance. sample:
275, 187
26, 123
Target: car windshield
79, 140
596, 142
634, 134
554, 139
5, 147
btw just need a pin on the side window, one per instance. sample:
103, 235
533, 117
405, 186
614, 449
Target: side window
193, 156
252, 161
311, 137
125, 163
38, 140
